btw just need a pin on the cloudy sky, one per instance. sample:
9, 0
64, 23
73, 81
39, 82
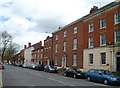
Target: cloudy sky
33, 20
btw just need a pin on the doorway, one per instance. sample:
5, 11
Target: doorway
118, 61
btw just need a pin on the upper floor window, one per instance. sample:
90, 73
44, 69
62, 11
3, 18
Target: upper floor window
103, 23
64, 35
75, 44
117, 18
91, 58
91, 27
75, 29
91, 42
103, 58
56, 37
74, 60
64, 46
56, 48
117, 36
103, 39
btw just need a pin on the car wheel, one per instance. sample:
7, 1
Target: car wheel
88, 78
74, 76
105, 81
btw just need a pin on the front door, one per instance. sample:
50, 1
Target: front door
118, 61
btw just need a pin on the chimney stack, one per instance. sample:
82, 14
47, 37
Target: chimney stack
29, 44
94, 9
25, 46
40, 43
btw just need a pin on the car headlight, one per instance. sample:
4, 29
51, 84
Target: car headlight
33, 66
79, 74
113, 79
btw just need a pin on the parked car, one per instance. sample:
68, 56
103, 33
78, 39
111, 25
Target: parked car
2, 66
39, 67
51, 69
18, 64
32, 66
102, 76
25, 66
74, 72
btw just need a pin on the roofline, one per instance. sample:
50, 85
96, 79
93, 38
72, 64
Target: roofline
88, 16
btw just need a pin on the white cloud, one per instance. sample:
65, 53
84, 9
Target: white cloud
46, 15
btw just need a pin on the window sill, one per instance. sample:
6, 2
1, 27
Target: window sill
91, 47
74, 65
90, 64
103, 64
102, 28
74, 49
102, 44
117, 23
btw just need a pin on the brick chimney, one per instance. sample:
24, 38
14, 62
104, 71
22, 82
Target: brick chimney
40, 43
29, 44
25, 46
94, 9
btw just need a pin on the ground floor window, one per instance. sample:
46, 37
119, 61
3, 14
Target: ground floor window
74, 59
103, 58
91, 58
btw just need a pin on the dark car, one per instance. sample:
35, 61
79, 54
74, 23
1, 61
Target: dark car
51, 69
39, 67
102, 76
18, 64
2, 66
74, 72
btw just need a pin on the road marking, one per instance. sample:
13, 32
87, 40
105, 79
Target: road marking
66, 84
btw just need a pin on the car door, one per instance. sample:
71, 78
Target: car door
98, 75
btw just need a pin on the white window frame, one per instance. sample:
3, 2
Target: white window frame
116, 18
74, 60
75, 30
103, 58
75, 44
101, 39
64, 34
91, 27
102, 26
116, 36
90, 59
90, 42
56, 48
56, 37
64, 46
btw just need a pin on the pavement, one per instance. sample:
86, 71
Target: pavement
0, 78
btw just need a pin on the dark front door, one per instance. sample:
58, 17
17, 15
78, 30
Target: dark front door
118, 64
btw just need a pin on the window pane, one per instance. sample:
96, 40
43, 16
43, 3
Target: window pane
91, 42
91, 27
74, 60
64, 33
102, 23
117, 35
74, 44
91, 58
103, 39
103, 58
117, 18
75, 29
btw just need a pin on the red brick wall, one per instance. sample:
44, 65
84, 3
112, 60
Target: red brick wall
69, 44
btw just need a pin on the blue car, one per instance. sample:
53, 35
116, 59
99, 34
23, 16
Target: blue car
102, 76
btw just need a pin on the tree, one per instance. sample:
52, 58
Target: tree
5, 41
11, 52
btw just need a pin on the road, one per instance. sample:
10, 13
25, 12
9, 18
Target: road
17, 76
